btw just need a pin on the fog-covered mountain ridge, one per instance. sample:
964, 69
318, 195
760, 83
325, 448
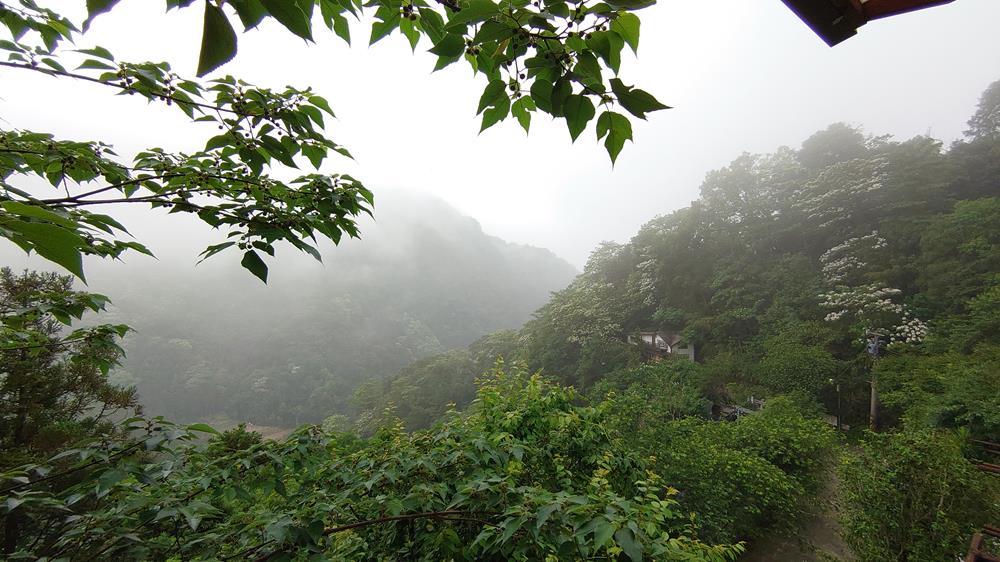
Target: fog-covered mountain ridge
212, 340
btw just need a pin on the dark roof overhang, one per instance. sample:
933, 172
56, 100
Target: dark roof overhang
837, 20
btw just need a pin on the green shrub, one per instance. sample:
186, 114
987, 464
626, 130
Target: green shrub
789, 366
913, 497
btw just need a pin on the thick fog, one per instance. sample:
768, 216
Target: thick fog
771, 331
467, 226
213, 342
742, 76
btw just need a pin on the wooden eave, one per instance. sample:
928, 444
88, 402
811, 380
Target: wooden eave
837, 20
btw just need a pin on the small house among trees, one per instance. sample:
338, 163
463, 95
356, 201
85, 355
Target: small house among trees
659, 345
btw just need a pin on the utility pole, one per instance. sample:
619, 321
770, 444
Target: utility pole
836, 384
873, 345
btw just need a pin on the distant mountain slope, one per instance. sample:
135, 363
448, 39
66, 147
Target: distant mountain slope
424, 279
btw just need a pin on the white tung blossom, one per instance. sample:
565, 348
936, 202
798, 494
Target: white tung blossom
842, 260
873, 303
646, 287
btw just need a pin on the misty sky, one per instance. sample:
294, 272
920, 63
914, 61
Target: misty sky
743, 75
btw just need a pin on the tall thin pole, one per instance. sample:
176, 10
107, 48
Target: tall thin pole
839, 425
874, 348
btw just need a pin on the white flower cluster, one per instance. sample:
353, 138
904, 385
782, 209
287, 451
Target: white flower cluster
875, 301
834, 316
647, 281
912, 330
842, 259
836, 271
825, 195
873, 298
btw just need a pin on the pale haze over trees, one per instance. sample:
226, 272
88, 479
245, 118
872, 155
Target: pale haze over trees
742, 76
809, 240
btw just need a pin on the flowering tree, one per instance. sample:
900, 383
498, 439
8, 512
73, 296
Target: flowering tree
871, 306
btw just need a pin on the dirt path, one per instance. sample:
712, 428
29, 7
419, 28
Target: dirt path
816, 540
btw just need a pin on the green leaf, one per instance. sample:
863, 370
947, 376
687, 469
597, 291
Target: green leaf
451, 45
541, 93
579, 110
193, 519
382, 28
37, 212
96, 65
522, 109
576, 43
96, 8
204, 428
609, 47
561, 91
98, 52
315, 530
626, 539
511, 527
494, 90
476, 11
602, 532
108, 479
277, 530
320, 102
626, 25
496, 113
214, 249
341, 28
218, 40
544, 513
588, 69
630, 5
618, 129
277, 150
54, 243
252, 262
250, 12
492, 31
432, 23
290, 15
636, 101
104, 222
558, 9
406, 27
54, 64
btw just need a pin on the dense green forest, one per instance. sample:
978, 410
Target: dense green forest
559, 441
217, 344
778, 271
775, 275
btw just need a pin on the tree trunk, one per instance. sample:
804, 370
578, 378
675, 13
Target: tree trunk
873, 406
11, 533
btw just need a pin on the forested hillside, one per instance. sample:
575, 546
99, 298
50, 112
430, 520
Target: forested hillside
424, 280
806, 278
854, 269
813, 344
779, 269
